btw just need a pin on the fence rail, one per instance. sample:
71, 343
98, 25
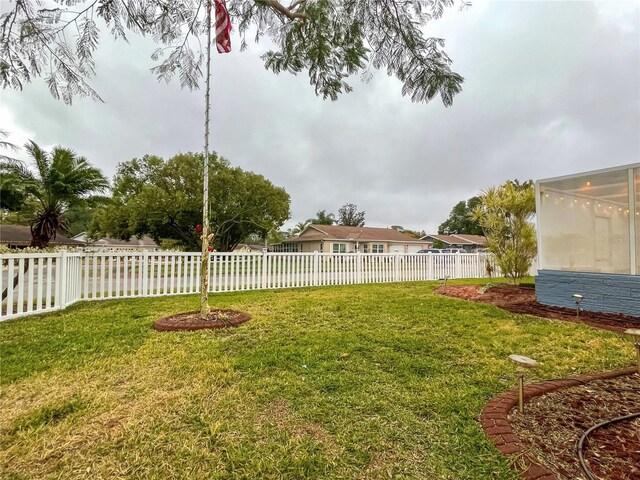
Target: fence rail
40, 282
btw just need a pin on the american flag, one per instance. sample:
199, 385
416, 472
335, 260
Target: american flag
223, 27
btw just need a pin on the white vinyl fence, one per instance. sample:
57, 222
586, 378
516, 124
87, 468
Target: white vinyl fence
52, 281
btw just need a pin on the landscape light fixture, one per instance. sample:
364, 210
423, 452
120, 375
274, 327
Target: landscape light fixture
524, 362
577, 298
635, 333
443, 280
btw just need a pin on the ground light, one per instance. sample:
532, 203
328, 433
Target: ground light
524, 362
577, 298
635, 333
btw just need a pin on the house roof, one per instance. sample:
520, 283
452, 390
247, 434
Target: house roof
474, 239
133, 242
21, 235
356, 234
251, 246
458, 239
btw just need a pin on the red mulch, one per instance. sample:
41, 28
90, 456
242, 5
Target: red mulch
518, 299
191, 321
553, 424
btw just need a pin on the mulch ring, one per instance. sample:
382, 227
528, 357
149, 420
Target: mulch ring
542, 442
519, 299
191, 321
553, 424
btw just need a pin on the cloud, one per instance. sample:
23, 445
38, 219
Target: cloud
551, 88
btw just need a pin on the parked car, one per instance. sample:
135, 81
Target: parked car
431, 250
453, 250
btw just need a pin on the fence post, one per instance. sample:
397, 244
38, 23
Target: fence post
456, 268
358, 267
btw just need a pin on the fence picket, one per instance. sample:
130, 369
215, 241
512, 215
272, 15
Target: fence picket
52, 281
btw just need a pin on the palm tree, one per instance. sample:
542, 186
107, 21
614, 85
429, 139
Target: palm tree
323, 218
61, 180
299, 228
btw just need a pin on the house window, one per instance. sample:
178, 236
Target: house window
377, 248
339, 248
365, 248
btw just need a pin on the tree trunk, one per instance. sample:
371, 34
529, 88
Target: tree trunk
204, 266
15, 280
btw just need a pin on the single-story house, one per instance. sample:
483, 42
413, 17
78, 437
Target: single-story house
341, 239
469, 243
249, 248
106, 244
588, 227
19, 236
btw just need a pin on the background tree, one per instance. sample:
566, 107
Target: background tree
332, 40
461, 219
299, 227
60, 182
505, 213
11, 196
323, 218
349, 216
411, 233
162, 199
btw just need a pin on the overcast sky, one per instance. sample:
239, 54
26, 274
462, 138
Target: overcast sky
551, 88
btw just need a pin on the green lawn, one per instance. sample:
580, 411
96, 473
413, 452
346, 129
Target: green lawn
367, 382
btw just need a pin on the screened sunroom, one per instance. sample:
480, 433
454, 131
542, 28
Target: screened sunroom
589, 240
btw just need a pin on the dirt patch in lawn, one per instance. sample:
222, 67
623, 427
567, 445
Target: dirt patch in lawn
192, 321
554, 423
518, 299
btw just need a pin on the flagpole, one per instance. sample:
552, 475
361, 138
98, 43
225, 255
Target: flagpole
204, 266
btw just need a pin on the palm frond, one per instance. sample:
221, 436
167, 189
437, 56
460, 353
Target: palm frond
40, 158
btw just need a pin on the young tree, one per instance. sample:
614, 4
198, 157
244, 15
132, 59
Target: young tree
349, 216
505, 214
331, 39
461, 220
60, 182
162, 199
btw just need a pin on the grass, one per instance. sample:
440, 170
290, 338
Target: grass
358, 382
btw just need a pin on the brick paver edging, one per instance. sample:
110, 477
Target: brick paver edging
495, 419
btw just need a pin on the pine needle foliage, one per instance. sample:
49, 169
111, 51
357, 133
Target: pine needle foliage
331, 40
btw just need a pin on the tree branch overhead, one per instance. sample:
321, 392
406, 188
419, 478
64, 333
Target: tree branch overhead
329, 39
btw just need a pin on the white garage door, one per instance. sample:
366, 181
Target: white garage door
414, 248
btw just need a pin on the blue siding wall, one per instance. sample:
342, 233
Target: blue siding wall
602, 292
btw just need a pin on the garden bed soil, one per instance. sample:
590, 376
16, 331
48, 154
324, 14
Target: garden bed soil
191, 321
553, 424
519, 299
